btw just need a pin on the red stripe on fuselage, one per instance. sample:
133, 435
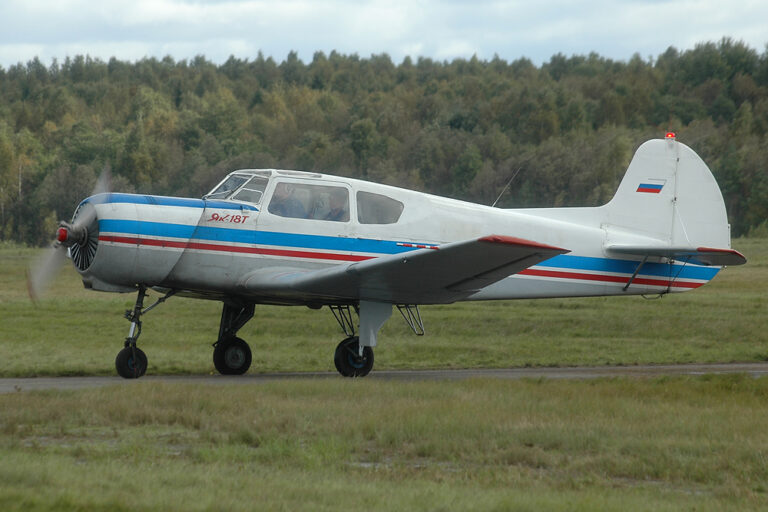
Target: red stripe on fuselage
233, 248
607, 279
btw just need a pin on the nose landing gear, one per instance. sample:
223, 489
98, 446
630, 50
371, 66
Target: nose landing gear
131, 362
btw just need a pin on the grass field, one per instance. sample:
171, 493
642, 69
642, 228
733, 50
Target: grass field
621, 444
331, 444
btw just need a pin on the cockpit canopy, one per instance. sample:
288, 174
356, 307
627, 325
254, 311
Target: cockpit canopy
309, 198
242, 187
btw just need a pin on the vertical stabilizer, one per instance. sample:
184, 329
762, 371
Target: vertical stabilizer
669, 194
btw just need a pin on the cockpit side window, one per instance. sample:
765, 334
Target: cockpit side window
377, 209
310, 201
252, 191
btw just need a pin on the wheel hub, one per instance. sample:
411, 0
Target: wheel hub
234, 357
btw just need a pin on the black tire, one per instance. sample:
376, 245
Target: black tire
232, 356
348, 361
128, 367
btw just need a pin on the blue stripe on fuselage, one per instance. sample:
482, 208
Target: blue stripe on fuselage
168, 201
249, 236
629, 266
333, 243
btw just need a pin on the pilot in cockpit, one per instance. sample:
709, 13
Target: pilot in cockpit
283, 203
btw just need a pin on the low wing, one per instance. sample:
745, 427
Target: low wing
699, 255
424, 276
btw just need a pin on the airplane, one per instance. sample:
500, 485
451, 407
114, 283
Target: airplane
281, 237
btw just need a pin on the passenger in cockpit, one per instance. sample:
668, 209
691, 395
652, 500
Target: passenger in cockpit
338, 203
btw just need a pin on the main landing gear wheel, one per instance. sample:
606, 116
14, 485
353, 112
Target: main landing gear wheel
131, 363
348, 361
232, 356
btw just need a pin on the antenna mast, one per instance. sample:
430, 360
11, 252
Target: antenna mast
506, 186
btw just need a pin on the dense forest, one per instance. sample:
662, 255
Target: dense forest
461, 128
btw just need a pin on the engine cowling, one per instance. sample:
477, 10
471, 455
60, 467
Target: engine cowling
114, 255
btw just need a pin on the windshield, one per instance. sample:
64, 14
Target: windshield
229, 185
253, 190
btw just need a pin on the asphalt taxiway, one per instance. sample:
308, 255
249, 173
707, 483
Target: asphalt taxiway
11, 385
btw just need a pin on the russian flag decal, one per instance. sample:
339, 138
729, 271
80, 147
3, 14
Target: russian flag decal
650, 188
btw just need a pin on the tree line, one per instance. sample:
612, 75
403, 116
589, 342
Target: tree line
462, 128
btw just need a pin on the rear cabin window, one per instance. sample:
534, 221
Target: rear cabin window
303, 201
377, 209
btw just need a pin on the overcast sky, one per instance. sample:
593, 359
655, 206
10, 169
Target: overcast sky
442, 30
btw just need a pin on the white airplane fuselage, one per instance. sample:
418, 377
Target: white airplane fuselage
206, 247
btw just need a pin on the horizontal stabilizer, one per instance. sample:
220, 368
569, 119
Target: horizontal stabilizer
442, 274
698, 256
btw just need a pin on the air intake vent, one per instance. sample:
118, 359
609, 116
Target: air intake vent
83, 252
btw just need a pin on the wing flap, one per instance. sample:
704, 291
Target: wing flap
698, 255
524, 254
423, 276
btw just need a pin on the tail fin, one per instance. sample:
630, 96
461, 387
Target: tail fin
669, 194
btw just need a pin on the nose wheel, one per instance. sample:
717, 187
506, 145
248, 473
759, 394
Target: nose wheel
131, 362
350, 361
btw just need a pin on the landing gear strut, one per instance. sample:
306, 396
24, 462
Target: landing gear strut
354, 355
131, 361
232, 355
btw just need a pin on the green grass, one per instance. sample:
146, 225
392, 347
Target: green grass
77, 331
620, 444
329, 444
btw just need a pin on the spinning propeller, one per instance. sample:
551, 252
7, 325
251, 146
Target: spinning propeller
80, 238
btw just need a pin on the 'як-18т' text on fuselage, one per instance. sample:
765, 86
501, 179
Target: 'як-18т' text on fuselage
300, 238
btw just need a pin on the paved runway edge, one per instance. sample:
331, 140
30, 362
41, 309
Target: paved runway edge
11, 385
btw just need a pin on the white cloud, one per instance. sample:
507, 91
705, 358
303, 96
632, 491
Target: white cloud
432, 28
447, 50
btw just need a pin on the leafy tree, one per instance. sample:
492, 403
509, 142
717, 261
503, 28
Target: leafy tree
362, 134
468, 165
461, 127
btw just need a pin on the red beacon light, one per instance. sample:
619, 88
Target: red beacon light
670, 135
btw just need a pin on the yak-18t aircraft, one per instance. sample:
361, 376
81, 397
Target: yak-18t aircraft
303, 238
